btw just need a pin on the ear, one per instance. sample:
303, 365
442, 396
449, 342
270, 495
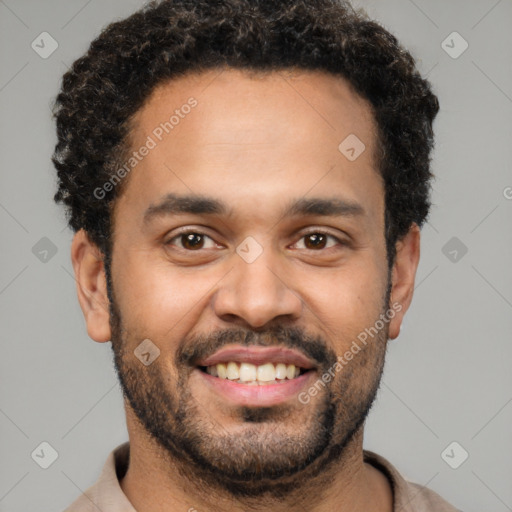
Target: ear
403, 275
91, 286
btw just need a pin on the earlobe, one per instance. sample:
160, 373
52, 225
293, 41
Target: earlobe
403, 277
91, 286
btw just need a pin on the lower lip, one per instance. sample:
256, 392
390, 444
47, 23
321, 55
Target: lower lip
256, 395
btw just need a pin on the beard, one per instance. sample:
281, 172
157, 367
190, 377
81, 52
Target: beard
263, 451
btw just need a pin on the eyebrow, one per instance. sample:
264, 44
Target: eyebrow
174, 204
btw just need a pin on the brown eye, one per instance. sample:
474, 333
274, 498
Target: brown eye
191, 241
315, 240
318, 240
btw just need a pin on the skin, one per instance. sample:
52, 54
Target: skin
256, 142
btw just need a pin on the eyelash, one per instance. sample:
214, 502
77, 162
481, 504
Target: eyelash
197, 232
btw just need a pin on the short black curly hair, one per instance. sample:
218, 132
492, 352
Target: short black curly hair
168, 38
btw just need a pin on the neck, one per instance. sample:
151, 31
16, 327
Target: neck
157, 482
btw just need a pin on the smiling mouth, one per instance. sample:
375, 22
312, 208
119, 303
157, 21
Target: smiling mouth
254, 375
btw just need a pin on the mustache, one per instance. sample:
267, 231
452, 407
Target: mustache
193, 349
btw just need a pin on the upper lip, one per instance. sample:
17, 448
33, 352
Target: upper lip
258, 356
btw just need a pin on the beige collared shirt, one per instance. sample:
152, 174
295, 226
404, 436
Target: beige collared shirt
106, 494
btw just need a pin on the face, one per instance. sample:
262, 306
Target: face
249, 249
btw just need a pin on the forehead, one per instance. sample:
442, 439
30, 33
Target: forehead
318, 103
254, 135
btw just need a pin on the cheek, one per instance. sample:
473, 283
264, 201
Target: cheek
345, 302
158, 301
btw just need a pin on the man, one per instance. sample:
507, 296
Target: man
247, 180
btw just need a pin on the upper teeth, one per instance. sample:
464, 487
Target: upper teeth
247, 372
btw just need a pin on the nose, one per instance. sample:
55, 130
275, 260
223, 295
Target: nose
257, 293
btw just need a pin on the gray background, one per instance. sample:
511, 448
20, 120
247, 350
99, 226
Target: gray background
448, 376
